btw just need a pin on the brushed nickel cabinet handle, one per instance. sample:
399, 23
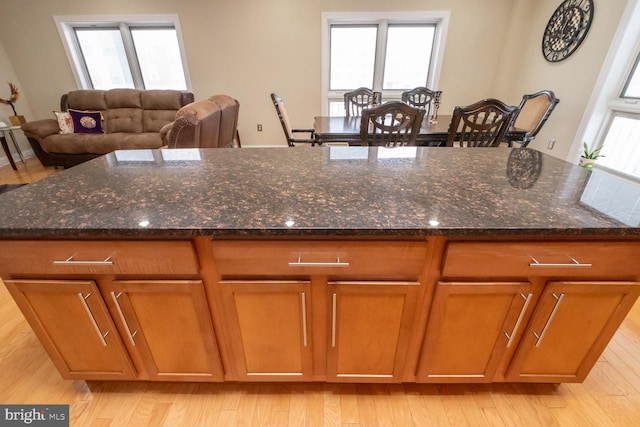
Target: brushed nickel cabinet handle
527, 300
115, 297
333, 320
574, 263
71, 261
300, 263
549, 319
304, 319
101, 336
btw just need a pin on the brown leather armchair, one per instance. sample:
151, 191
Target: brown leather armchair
209, 123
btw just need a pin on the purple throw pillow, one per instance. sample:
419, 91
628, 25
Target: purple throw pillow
86, 121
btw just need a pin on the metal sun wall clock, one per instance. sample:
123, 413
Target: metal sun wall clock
566, 29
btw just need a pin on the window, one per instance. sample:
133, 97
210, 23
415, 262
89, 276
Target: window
390, 53
621, 140
116, 52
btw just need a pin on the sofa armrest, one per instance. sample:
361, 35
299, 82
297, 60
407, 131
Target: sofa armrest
41, 128
183, 133
164, 133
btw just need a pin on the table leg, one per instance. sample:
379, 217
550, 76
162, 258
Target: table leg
7, 152
15, 144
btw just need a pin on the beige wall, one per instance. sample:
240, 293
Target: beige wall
248, 49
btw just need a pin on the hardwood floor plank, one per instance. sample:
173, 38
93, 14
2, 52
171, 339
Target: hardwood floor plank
314, 405
246, 406
332, 406
348, 404
366, 405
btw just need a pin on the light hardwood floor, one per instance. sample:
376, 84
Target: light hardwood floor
29, 171
610, 396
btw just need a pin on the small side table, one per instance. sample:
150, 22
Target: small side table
9, 130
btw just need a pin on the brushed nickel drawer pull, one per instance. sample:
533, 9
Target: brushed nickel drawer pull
101, 336
551, 316
304, 319
300, 263
574, 263
333, 320
115, 297
70, 261
527, 300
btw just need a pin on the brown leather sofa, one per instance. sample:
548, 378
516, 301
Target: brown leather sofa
210, 123
133, 119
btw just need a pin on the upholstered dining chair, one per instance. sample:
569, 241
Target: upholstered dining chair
357, 100
278, 103
481, 124
419, 97
535, 109
391, 124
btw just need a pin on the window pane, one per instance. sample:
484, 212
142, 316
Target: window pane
632, 88
159, 58
353, 52
621, 148
408, 56
104, 55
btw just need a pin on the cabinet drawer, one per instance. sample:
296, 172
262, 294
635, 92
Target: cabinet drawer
97, 257
403, 260
597, 258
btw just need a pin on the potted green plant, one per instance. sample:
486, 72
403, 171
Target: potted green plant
588, 157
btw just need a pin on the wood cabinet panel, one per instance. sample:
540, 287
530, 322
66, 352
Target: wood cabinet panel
534, 259
168, 323
97, 257
269, 328
571, 326
73, 324
370, 328
335, 259
470, 327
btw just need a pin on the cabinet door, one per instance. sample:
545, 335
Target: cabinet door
570, 328
370, 325
168, 325
471, 325
73, 324
269, 328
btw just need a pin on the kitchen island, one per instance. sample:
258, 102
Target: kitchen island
354, 264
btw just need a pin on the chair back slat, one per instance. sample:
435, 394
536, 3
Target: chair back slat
357, 100
482, 124
392, 124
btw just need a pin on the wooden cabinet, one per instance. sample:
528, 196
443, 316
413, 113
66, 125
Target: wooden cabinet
269, 326
116, 309
75, 328
371, 323
550, 327
335, 310
470, 328
570, 328
166, 324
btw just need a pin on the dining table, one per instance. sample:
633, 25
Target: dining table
346, 130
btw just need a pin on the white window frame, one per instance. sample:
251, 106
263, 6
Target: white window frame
439, 18
606, 101
66, 25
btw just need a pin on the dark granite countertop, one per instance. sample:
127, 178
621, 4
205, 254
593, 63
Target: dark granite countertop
323, 191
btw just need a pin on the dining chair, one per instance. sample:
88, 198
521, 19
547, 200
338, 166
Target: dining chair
278, 103
357, 100
535, 109
481, 124
419, 97
390, 125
